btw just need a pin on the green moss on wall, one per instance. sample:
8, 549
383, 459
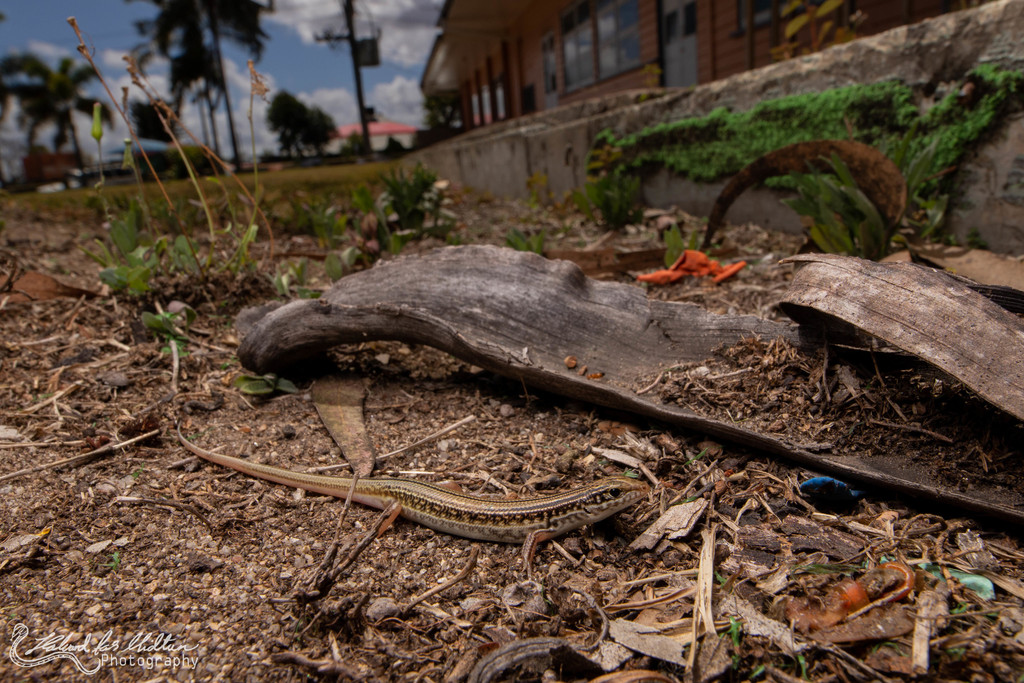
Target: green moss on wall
720, 144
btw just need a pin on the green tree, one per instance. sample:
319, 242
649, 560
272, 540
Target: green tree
442, 111
147, 122
287, 117
52, 96
317, 133
188, 34
298, 127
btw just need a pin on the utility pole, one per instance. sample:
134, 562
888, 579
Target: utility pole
219, 66
333, 39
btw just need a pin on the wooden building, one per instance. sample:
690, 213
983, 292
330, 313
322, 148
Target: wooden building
508, 58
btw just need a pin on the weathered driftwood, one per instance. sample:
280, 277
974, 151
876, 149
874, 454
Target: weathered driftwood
920, 310
520, 315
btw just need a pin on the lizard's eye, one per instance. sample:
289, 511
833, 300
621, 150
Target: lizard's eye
615, 493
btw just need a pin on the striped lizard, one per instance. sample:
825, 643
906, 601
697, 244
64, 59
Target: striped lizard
527, 520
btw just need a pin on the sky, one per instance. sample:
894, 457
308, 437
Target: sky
292, 60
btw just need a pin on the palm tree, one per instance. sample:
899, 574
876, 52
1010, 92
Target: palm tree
6, 95
52, 96
179, 33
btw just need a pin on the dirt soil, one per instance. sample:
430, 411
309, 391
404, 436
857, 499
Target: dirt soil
201, 573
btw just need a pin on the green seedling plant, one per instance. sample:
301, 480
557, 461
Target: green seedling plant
612, 192
264, 385
520, 241
537, 186
171, 325
414, 198
674, 244
293, 274
133, 259
115, 562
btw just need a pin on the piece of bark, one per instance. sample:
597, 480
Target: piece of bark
932, 610
922, 311
339, 402
35, 286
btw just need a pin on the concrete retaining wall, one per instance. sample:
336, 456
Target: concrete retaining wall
501, 157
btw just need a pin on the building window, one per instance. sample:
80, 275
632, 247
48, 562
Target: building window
618, 36
529, 99
485, 104
762, 13
547, 48
689, 18
499, 97
577, 46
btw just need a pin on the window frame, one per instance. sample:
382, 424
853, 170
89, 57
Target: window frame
617, 37
549, 62
762, 17
574, 77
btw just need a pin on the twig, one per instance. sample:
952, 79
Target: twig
175, 366
324, 578
473, 555
657, 380
30, 444
102, 450
912, 428
703, 613
45, 402
323, 666
672, 596
382, 523
872, 673
166, 503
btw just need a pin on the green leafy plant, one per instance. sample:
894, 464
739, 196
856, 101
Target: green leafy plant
414, 199
579, 198
131, 262
264, 385
520, 241
843, 220
321, 218
614, 195
171, 325
537, 186
115, 562
293, 274
813, 16
674, 244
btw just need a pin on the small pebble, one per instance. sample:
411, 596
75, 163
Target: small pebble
382, 608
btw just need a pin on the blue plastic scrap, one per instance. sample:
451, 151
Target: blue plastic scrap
831, 490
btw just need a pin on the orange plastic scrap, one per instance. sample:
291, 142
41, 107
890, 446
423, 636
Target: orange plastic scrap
692, 262
661, 277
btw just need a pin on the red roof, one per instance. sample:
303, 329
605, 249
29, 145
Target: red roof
382, 128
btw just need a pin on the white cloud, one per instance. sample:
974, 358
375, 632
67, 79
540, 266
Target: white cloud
47, 51
407, 27
400, 100
112, 59
340, 103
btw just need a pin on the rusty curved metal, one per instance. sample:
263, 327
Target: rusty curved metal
877, 176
